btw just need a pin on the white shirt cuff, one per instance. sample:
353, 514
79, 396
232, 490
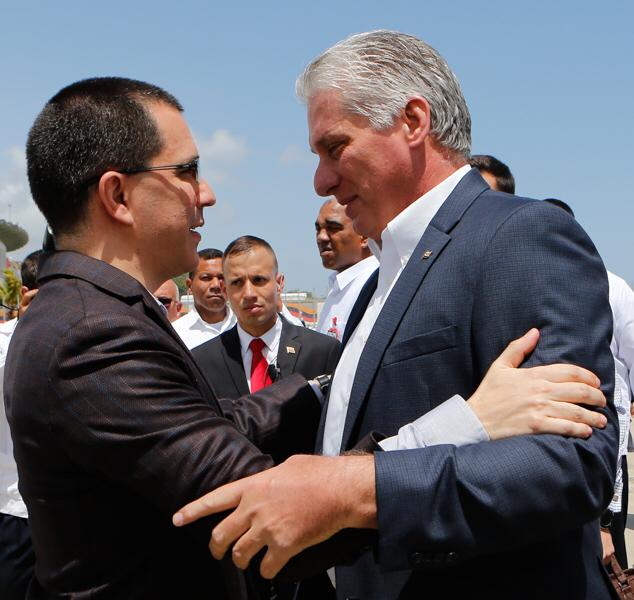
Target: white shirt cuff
453, 422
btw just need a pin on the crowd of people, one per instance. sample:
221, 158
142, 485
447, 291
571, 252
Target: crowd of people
398, 451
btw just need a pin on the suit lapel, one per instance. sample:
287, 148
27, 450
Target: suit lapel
427, 251
288, 350
232, 355
358, 310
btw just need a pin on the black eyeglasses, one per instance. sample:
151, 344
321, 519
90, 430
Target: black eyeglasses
190, 167
165, 301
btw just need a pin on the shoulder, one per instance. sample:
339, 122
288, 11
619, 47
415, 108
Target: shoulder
186, 321
213, 347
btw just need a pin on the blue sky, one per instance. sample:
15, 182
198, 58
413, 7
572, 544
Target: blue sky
549, 85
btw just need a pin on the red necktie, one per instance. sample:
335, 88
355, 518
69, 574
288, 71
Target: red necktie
259, 367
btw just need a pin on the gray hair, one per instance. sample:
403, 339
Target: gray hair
379, 72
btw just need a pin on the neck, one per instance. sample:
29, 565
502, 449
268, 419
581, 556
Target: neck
259, 329
116, 254
210, 316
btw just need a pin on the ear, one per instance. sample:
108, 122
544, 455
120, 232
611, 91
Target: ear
179, 307
280, 282
188, 283
416, 121
112, 196
364, 242
23, 290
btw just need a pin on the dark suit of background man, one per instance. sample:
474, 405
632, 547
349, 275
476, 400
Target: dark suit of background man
252, 283
463, 269
113, 423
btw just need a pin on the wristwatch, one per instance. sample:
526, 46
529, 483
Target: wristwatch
605, 522
323, 381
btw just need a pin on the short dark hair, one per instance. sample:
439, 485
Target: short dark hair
561, 204
206, 254
245, 243
503, 176
28, 270
86, 129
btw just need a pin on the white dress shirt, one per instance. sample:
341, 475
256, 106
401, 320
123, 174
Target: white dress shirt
343, 291
453, 420
622, 346
194, 331
271, 340
11, 502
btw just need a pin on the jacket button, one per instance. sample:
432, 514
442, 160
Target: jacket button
417, 559
452, 558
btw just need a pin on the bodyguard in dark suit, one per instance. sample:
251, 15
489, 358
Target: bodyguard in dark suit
462, 271
251, 278
114, 425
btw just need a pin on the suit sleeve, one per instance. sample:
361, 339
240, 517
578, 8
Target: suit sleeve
130, 410
539, 270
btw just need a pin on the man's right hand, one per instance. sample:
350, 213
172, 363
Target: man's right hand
546, 399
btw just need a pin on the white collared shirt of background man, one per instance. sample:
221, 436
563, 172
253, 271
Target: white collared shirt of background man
622, 346
11, 502
195, 331
343, 291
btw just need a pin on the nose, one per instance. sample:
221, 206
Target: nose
322, 235
326, 179
249, 290
206, 196
214, 283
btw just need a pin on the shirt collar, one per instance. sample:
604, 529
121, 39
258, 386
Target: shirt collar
404, 231
270, 338
347, 276
200, 323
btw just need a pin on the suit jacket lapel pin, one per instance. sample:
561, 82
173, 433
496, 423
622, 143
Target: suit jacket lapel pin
426, 254
290, 350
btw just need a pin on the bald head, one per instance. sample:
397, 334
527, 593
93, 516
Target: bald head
340, 246
167, 294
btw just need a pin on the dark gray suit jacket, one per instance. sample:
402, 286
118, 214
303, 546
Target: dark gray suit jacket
515, 518
311, 354
115, 427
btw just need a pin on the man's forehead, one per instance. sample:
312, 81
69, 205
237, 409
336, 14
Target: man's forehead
333, 212
209, 265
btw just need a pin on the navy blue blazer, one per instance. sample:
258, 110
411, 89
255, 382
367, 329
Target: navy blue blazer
515, 518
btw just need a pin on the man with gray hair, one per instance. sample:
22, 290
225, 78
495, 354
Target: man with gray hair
463, 269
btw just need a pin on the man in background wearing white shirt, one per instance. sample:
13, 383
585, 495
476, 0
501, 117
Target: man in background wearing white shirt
342, 249
210, 315
16, 549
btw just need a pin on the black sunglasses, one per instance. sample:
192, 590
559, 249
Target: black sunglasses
165, 301
190, 167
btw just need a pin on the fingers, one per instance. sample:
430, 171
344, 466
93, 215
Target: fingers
225, 497
246, 548
227, 532
576, 393
515, 353
562, 373
273, 562
564, 427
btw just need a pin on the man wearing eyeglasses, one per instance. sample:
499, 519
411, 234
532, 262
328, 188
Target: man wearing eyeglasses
167, 294
113, 422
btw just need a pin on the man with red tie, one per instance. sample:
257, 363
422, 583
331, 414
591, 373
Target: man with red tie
263, 346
